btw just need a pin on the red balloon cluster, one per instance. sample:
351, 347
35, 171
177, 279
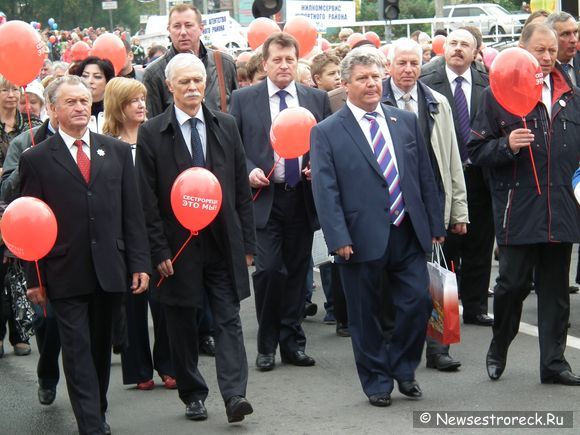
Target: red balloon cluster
109, 46
516, 81
196, 198
22, 52
29, 228
290, 132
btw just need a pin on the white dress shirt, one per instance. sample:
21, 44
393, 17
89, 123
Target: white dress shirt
465, 85
70, 143
183, 121
547, 95
291, 101
365, 126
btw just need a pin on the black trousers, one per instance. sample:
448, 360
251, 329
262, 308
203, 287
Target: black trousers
551, 263
284, 252
230, 359
84, 325
48, 342
471, 253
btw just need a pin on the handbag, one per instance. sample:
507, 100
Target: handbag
25, 318
443, 326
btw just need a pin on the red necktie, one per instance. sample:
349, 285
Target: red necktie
83, 161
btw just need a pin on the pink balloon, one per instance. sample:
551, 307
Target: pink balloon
489, 54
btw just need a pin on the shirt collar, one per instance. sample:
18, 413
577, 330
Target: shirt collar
359, 113
272, 88
70, 141
451, 76
183, 117
398, 93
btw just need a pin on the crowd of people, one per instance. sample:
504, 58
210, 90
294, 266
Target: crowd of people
409, 151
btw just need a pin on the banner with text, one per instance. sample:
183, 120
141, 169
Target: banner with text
323, 13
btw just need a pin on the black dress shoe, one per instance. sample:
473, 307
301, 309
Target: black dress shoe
442, 362
46, 395
480, 320
573, 289
265, 362
237, 407
107, 428
207, 345
196, 411
564, 378
494, 363
310, 309
381, 400
410, 389
342, 330
298, 358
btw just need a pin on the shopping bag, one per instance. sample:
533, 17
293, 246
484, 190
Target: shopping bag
443, 324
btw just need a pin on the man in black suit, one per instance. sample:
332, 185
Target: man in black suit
215, 262
284, 208
566, 29
462, 84
88, 181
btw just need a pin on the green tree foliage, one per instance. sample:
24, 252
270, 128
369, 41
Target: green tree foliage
78, 13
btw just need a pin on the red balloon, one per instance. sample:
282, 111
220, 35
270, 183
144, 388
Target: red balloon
516, 81
290, 132
259, 30
79, 51
325, 45
354, 39
304, 31
29, 228
22, 52
489, 54
196, 198
374, 38
109, 46
438, 45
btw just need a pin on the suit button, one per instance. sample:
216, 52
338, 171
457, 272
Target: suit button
89, 193
92, 219
93, 242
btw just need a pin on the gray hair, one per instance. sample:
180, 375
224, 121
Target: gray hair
558, 17
60, 65
360, 56
405, 45
184, 60
52, 90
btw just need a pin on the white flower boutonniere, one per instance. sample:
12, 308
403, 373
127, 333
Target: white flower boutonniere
101, 152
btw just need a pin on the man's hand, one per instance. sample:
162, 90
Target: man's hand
165, 268
307, 172
345, 252
258, 179
36, 296
460, 229
437, 240
249, 259
140, 282
520, 138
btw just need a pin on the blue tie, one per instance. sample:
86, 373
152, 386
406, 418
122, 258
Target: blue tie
196, 148
462, 118
566, 68
387, 165
291, 170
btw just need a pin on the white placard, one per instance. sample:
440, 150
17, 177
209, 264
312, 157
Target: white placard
323, 13
319, 249
109, 5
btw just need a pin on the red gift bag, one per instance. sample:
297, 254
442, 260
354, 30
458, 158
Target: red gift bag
444, 323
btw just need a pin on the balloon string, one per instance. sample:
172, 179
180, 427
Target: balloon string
28, 113
533, 162
191, 234
268, 177
42, 292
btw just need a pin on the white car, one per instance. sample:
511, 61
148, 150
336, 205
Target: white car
490, 18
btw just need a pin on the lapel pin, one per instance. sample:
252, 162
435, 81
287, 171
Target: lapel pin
393, 119
100, 152
562, 103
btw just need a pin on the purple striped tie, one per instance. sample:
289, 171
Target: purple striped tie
462, 118
387, 165
291, 168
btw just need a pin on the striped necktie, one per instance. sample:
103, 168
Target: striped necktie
291, 169
388, 168
462, 118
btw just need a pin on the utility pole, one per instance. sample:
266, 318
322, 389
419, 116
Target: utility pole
439, 13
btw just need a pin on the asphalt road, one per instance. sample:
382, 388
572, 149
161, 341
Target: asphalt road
325, 399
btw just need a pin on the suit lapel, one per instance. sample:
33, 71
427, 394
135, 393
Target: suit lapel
352, 127
395, 132
476, 90
98, 153
62, 155
182, 155
215, 151
262, 101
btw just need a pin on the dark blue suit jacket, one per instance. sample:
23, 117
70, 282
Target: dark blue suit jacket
251, 108
351, 193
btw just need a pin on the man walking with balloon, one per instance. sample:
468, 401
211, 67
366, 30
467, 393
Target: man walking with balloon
527, 134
